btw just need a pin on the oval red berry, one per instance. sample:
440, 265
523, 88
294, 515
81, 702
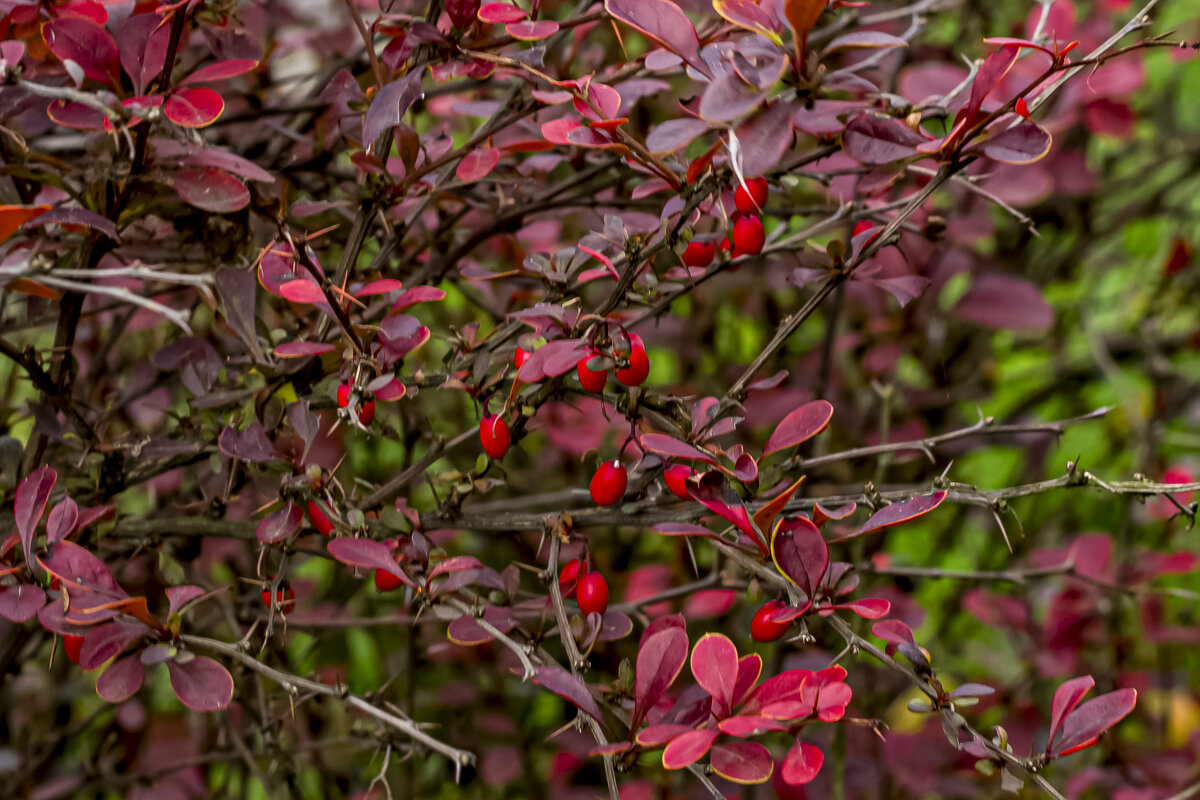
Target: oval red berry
699, 254
639, 364
494, 436
386, 581
675, 477
753, 201
609, 483
763, 629
592, 593
593, 380
316, 516
569, 576
366, 414
748, 236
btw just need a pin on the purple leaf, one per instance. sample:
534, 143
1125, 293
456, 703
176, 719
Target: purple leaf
31, 497
745, 469
674, 134
660, 659
201, 684
121, 680
65, 215
303, 349
179, 596
663, 23
877, 139
569, 688
1093, 718
367, 554
229, 162
742, 762
73, 564
658, 735
62, 520
897, 514
1066, 697
390, 105
142, 41
990, 73
250, 445
764, 138
21, 603
800, 554
688, 748
105, 642
417, 294
799, 426
465, 630
715, 667
1023, 143
727, 98
1005, 302
211, 190
87, 44
673, 448
863, 39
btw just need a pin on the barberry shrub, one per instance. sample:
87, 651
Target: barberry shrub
646, 398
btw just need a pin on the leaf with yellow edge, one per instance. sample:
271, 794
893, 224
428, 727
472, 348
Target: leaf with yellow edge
802, 15
765, 517
13, 217
751, 16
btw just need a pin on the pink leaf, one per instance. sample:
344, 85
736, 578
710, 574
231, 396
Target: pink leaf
868, 608
660, 659
749, 668
367, 554
745, 726
688, 748
379, 287
477, 163
674, 134
280, 525
75, 115
465, 630
715, 667
415, 295
179, 596
211, 190
221, 70
1066, 697
659, 735
742, 762
1005, 302
87, 44
897, 514
500, 13
673, 448
569, 688
1093, 718
194, 108
21, 603
799, 426
303, 291
303, 349
201, 684
663, 23
121, 680
531, 30
802, 764
30, 502
1024, 143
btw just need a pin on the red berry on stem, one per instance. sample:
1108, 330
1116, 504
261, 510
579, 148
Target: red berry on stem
367, 412
72, 645
699, 254
593, 380
725, 246
386, 581
520, 357
285, 597
343, 395
592, 593
763, 629
569, 577
639, 363
753, 201
748, 236
494, 435
675, 477
317, 517
1022, 107
609, 483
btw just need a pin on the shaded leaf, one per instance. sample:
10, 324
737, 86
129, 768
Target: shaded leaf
764, 138
280, 525
897, 514
569, 688
878, 139
367, 554
663, 23
87, 44
121, 680
799, 426
1005, 302
211, 190
1023, 143
391, 104
302, 349
179, 596
863, 39
66, 215
1093, 718
751, 16
660, 659
671, 447
62, 520
21, 603
1066, 697
742, 762
800, 554
194, 108
201, 684
30, 503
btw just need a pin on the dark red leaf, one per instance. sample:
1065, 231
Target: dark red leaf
221, 70
742, 762
990, 73
569, 688
87, 44
194, 108
799, 426
21, 603
121, 680
800, 554
211, 190
30, 503
663, 23
1094, 717
660, 659
201, 684
65, 215
715, 667
105, 642
897, 514
62, 520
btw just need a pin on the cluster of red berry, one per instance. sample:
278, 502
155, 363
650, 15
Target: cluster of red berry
590, 588
366, 411
747, 236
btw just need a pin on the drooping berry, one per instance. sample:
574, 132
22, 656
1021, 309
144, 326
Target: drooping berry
609, 483
699, 254
593, 380
386, 581
753, 201
318, 519
639, 363
343, 395
675, 477
494, 435
72, 645
367, 412
592, 593
285, 597
569, 576
763, 629
748, 236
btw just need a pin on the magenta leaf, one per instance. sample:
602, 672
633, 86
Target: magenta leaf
765, 137
194, 108
250, 445
1066, 697
67, 215
800, 554
660, 659
1085, 724
465, 630
201, 684
1005, 302
1023, 143
610, 749
500, 13
30, 503
121, 680
415, 295
990, 73
897, 514
531, 30
802, 764
673, 448
87, 44
674, 134
303, 349
569, 688
455, 564
868, 608
105, 642
742, 762
799, 426
303, 291
221, 70
688, 748
367, 554
663, 23
390, 105
477, 164
782, 687
749, 669
211, 190
877, 139
280, 525
61, 521
715, 667
21, 603
659, 735
745, 726
893, 631
179, 596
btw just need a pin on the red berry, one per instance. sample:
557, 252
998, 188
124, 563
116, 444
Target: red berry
592, 593
1022, 107
317, 517
72, 645
639, 363
343, 395
569, 577
367, 412
520, 357
862, 225
748, 236
763, 629
386, 581
753, 201
699, 254
593, 380
675, 477
725, 246
285, 597
494, 435
609, 483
